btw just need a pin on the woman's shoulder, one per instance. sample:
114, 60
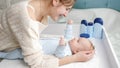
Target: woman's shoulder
18, 12
17, 9
17, 6
20, 3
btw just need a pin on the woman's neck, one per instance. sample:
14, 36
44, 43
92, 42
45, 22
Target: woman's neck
40, 9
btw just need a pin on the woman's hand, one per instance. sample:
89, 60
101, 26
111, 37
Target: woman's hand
83, 56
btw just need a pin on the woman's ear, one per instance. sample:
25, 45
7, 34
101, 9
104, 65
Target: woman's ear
55, 2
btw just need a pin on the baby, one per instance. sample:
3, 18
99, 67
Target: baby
73, 46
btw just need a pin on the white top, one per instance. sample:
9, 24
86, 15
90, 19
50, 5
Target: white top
18, 30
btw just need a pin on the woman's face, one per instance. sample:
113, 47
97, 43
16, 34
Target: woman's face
60, 10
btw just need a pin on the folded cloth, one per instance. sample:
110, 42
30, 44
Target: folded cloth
15, 54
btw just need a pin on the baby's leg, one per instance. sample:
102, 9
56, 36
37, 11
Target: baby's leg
69, 30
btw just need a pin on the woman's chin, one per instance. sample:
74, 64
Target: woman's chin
55, 19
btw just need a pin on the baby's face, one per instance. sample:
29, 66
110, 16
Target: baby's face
80, 44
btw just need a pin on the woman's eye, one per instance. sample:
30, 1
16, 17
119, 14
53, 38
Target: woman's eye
68, 9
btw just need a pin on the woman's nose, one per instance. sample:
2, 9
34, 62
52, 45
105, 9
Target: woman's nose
65, 14
74, 52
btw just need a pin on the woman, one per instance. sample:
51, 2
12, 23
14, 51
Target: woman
21, 24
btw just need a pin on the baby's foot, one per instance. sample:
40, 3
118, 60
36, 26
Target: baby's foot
70, 22
83, 26
98, 30
69, 25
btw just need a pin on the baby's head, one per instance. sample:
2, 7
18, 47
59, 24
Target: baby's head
80, 44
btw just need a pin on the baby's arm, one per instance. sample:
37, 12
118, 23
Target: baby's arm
63, 49
60, 50
62, 41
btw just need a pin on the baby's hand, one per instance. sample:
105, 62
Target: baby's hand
62, 41
70, 22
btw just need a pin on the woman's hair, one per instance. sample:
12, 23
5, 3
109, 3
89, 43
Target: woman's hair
67, 2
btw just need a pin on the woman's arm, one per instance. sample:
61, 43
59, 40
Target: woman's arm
66, 60
81, 56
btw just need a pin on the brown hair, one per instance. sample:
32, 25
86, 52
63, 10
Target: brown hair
68, 2
92, 46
